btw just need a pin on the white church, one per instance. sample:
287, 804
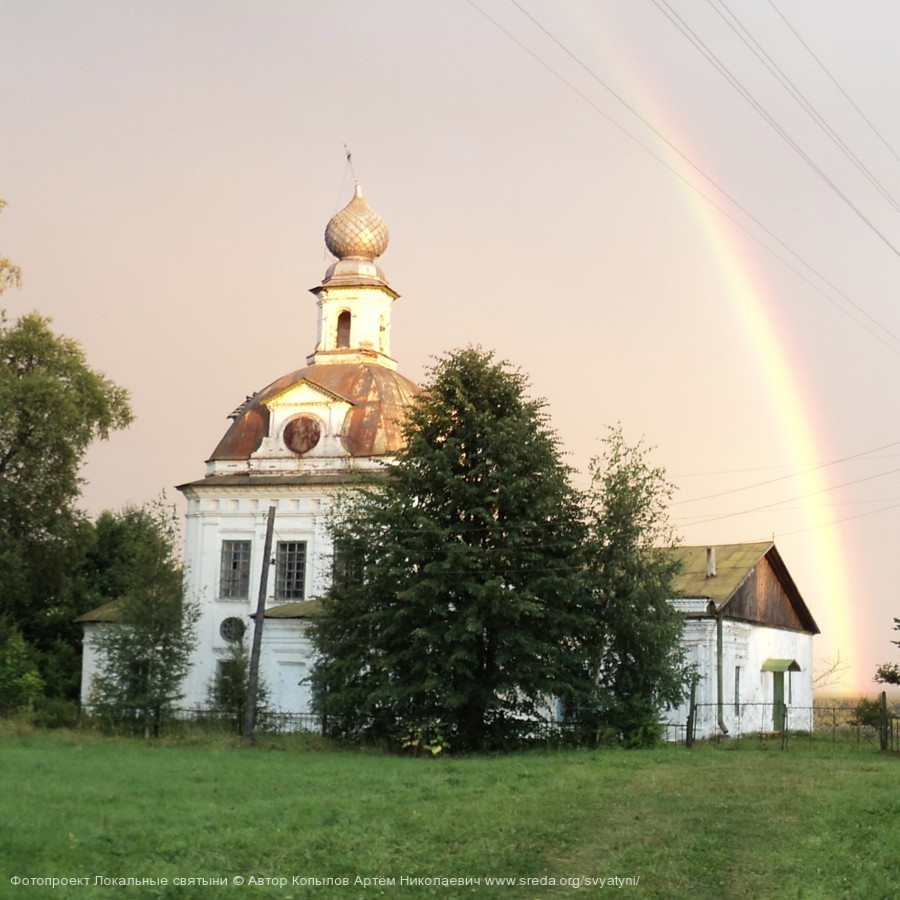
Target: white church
310, 435
295, 445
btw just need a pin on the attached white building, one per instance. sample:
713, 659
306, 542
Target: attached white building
750, 635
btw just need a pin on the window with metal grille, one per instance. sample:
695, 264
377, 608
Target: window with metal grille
347, 569
290, 570
234, 580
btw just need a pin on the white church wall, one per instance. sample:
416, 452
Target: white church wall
240, 515
287, 658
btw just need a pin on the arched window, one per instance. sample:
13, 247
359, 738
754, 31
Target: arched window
343, 331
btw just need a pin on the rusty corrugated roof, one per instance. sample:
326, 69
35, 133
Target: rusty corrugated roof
379, 396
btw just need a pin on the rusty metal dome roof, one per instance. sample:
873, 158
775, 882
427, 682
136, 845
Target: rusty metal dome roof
373, 426
356, 231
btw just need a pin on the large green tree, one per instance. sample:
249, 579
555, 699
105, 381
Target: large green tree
145, 655
458, 596
889, 673
639, 666
52, 407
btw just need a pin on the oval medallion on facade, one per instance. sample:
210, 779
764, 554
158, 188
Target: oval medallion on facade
302, 434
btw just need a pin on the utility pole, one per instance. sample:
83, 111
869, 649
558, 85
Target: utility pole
253, 675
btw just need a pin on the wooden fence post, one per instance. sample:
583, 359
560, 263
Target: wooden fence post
692, 715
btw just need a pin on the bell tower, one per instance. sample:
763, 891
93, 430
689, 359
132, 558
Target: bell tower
354, 298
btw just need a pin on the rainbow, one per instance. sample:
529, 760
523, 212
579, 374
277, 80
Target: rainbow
826, 584
821, 548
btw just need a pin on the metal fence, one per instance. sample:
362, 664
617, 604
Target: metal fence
267, 721
837, 724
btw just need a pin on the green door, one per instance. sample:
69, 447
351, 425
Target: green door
778, 702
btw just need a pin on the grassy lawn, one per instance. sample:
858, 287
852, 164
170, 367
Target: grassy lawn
815, 821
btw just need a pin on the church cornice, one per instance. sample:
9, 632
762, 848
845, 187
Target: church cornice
217, 483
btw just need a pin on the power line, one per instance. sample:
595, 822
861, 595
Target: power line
824, 490
735, 24
834, 81
647, 124
871, 512
759, 484
806, 507
748, 469
831, 524
700, 45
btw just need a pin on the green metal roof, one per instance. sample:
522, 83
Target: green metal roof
109, 612
296, 609
780, 665
734, 563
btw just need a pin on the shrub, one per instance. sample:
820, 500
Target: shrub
867, 714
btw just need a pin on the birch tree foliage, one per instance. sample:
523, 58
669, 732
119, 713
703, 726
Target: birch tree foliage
639, 660
145, 654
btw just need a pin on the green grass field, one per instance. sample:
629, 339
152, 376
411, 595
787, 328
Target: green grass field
815, 821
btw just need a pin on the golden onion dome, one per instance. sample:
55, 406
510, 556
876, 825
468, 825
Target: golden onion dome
356, 231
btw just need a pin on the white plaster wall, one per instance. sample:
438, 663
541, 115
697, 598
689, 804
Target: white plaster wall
221, 514
775, 643
279, 461
747, 646
286, 664
370, 316
89, 661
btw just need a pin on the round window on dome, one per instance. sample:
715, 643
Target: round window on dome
232, 629
302, 434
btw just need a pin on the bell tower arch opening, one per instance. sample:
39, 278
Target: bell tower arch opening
343, 330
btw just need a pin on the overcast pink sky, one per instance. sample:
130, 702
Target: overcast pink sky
170, 168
